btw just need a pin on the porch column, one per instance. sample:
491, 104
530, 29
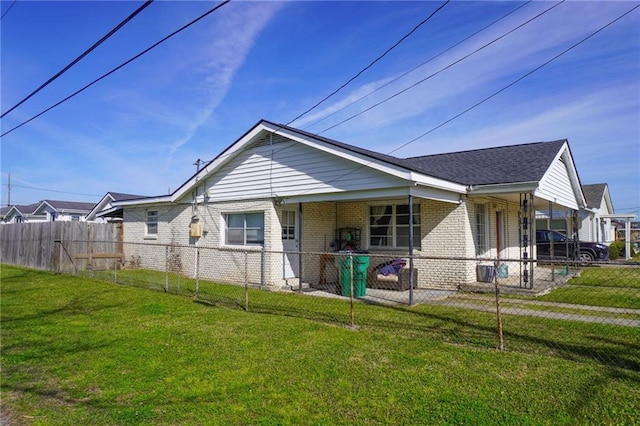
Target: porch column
532, 235
410, 249
549, 225
300, 233
627, 239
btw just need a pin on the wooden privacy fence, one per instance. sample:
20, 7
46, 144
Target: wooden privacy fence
61, 246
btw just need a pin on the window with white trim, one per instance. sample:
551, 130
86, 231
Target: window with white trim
244, 229
152, 222
389, 226
480, 229
288, 225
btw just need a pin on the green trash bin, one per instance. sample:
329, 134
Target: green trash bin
360, 265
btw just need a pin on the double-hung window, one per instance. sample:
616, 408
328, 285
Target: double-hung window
389, 226
244, 229
152, 222
480, 229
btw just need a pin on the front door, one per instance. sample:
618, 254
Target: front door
290, 242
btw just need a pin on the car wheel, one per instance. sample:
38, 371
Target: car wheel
586, 256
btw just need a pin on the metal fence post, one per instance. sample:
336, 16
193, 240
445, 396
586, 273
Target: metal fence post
246, 280
166, 269
197, 272
351, 289
498, 315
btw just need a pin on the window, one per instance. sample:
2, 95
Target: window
244, 229
389, 225
288, 225
152, 222
481, 229
75, 218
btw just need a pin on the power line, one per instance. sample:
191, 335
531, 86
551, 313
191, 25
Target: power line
424, 79
419, 65
118, 67
54, 190
573, 46
8, 9
443, 68
79, 58
372, 63
492, 95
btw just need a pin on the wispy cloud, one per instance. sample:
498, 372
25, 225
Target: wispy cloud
473, 78
223, 53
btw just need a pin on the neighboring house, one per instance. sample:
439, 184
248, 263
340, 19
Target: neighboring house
595, 227
285, 190
48, 211
63, 211
105, 211
592, 223
3, 212
23, 214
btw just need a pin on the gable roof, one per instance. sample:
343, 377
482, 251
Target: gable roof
64, 206
502, 169
24, 208
20, 210
104, 208
489, 166
593, 194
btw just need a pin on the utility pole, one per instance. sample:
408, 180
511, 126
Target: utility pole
197, 164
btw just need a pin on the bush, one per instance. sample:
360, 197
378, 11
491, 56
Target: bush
616, 250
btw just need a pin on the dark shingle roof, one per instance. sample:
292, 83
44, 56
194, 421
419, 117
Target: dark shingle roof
593, 194
27, 208
118, 196
505, 164
373, 154
69, 205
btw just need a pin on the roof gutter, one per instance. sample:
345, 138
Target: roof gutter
502, 188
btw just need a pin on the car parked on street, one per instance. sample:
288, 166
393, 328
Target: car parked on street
566, 248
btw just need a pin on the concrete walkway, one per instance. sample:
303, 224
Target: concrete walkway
471, 302
486, 303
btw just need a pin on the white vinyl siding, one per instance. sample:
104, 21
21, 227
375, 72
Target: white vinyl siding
289, 168
556, 186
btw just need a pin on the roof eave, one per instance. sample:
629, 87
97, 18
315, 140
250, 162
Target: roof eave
502, 188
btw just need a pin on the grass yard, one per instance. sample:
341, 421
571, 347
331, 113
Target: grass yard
601, 286
81, 351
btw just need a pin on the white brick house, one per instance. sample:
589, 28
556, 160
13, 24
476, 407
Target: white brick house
280, 189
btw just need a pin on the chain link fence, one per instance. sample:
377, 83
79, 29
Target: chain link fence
575, 310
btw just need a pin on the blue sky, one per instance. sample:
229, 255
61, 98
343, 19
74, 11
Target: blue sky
141, 129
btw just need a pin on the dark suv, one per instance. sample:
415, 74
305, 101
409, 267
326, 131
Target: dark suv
561, 246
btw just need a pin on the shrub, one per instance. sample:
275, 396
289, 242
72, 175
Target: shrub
616, 250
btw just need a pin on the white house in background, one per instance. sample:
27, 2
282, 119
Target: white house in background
48, 211
595, 226
22, 214
105, 210
591, 222
63, 211
278, 191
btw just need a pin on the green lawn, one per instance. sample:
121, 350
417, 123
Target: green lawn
80, 351
601, 286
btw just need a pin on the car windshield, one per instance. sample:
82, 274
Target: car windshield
558, 237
